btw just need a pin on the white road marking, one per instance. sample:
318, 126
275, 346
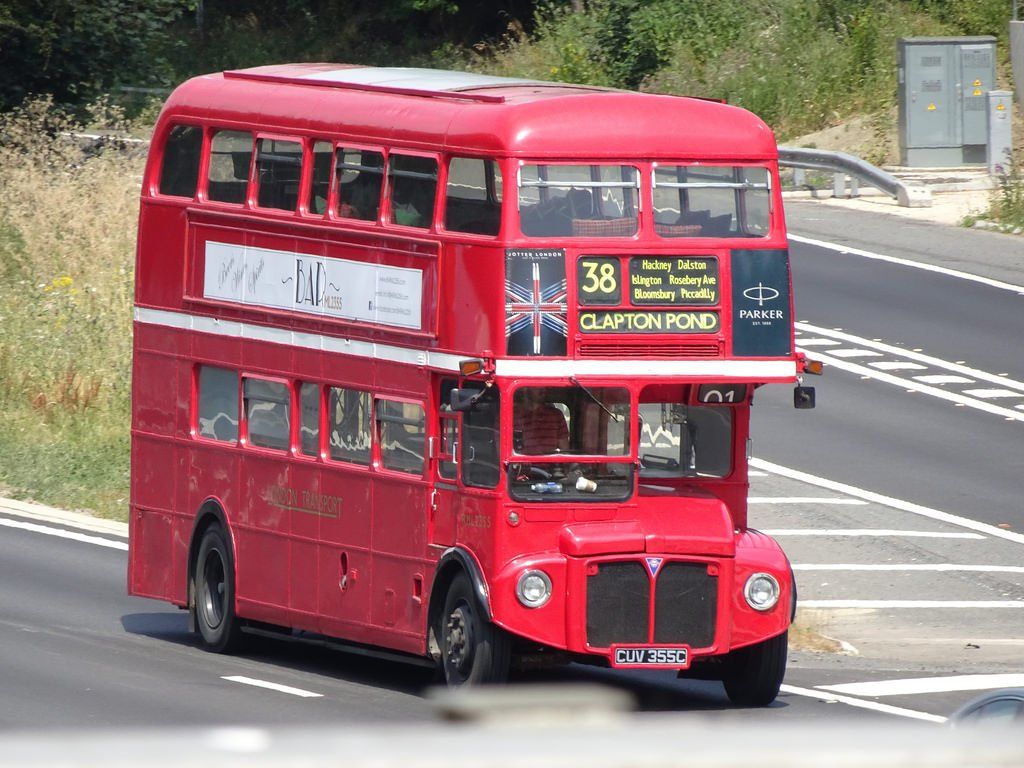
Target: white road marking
991, 393
756, 473
861, 704
854, 353
866, 532
959, 604
894, 366
817, 342
944, 379
62, 534
915, 356
272, 686
888, 501
918, 685
910, 567
802, 500
909, 263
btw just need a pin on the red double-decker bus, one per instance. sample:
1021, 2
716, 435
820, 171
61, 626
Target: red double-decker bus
461, 367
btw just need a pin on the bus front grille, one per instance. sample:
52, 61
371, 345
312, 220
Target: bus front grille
619, 598
618, 601
685, 605
645, 350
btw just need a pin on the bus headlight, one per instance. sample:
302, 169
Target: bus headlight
533, 589
761, 591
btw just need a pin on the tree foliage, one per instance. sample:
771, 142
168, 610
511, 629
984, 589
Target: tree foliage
73, 49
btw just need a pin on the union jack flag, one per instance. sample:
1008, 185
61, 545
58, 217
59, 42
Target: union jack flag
537, 306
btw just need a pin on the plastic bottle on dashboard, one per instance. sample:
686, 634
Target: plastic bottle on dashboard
550, 487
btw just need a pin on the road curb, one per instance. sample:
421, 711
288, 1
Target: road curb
77, 520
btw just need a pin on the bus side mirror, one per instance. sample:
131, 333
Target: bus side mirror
464, 399
803, 398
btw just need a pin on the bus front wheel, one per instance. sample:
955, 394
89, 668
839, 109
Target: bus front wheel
473, 650
754, 674
214, 590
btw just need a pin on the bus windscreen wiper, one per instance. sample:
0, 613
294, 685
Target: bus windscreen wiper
592, 396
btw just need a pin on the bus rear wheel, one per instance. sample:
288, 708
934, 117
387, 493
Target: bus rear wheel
754, 674
214, 590
473, 650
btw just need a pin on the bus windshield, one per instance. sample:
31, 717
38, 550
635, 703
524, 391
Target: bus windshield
551, 423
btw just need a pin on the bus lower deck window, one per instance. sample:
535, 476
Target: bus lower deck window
309, 412
349, 424
402, 436
217, 409
267, 413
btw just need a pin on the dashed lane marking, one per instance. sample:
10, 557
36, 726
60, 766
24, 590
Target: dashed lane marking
943, 379
991, 393
272, 686
917, 685
851, 352
894, 366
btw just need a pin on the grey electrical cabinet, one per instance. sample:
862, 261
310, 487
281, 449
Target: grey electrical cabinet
943, 106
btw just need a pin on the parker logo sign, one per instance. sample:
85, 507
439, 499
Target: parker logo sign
760, 303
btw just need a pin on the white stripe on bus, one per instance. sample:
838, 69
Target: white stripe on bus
751, 369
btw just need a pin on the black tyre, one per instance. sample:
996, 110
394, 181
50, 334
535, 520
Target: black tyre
753, 675
214, 589
473, 650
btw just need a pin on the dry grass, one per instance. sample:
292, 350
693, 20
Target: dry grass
67, 240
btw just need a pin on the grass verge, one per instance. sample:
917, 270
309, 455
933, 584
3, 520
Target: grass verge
67, 241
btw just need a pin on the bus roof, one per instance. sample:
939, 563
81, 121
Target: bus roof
437, 109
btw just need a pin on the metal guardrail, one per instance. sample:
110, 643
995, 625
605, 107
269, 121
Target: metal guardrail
841, 164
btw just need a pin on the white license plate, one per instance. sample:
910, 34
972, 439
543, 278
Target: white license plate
676, 658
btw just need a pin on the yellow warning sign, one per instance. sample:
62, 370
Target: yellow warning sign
977, 91
931, 107
977, 83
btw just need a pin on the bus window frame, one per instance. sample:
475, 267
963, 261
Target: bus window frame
500, 164
203, 196
387, 189
243, 421
332, 203
376, 455
153, 183
297, 452
193, 419
305, 165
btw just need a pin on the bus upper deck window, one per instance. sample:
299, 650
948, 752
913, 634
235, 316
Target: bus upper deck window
711, 201
579, 200
230, 155
320, 178
179, 173
473, 196
360, 177
278, 168
413, 183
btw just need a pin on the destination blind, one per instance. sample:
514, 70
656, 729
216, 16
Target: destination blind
650, 281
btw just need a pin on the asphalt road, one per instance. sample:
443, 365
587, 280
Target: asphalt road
75, 651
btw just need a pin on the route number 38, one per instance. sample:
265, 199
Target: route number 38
598, 281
